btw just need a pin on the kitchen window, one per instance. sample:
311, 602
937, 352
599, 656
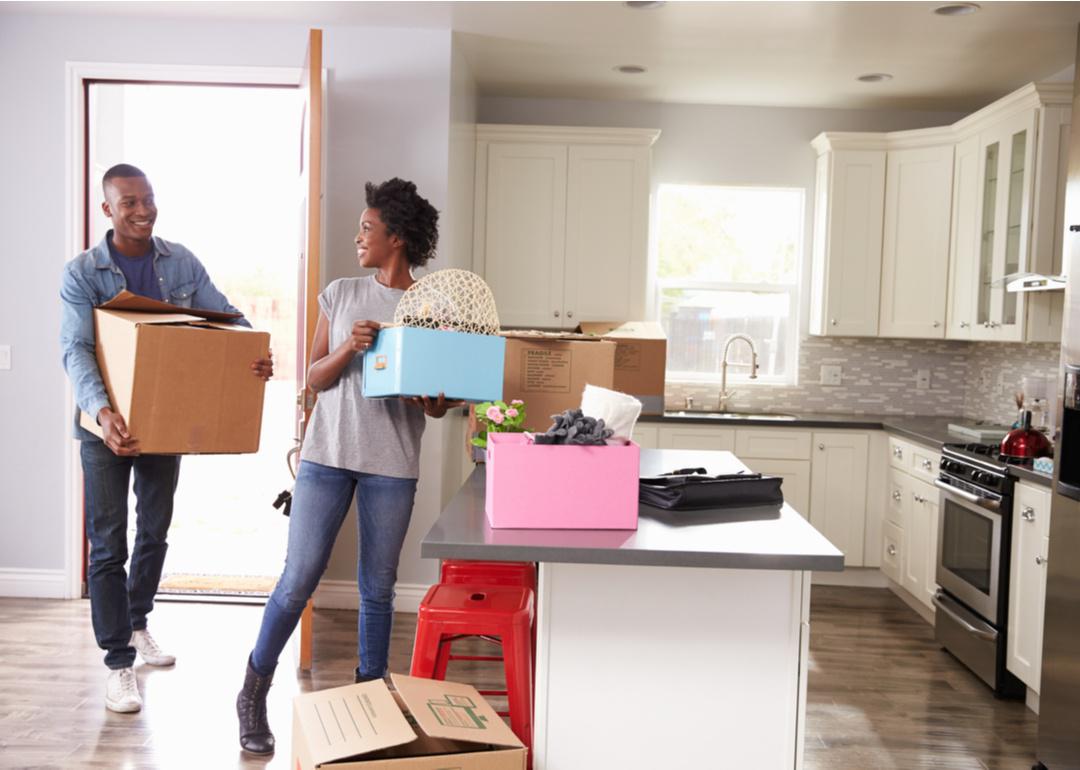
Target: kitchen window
729, 263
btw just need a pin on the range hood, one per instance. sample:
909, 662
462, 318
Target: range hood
1033, 282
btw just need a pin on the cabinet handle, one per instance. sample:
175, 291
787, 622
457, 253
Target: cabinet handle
1041, 561
898, 453
833, 322
928, 465
892, 550
918, 498
569, 313
556, 313
1027, 513
964, 324
821, 447
896, 495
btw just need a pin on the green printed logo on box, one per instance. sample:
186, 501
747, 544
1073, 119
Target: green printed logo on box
457, 711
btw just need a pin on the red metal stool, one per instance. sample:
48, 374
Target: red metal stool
489, 573
452, 612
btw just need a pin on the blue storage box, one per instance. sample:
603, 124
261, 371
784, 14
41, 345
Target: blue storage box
413, 361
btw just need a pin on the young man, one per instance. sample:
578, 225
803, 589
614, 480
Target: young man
128, 257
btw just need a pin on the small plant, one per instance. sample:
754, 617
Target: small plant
499, 417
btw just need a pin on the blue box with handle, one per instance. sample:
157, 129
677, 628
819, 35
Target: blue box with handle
414, 361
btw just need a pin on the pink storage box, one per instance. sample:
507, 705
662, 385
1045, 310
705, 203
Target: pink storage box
552, 486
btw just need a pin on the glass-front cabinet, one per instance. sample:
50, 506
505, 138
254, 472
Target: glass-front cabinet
1004, 186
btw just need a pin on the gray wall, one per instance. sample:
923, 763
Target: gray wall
388, 114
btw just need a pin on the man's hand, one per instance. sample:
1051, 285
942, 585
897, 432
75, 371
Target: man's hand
115, 434
363, 336
263, 368
434, 407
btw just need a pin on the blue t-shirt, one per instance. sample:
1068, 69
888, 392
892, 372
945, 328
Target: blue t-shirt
138, 272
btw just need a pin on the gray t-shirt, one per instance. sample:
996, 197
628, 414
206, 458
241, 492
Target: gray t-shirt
370, 435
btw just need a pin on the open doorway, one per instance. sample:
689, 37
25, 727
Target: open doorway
223, 160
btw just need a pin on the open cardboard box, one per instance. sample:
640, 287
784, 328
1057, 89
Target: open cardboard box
425, 725
179, 377
640, 359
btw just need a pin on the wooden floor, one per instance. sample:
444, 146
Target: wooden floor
881, 693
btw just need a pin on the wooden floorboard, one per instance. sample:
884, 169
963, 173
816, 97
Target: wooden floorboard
881, 693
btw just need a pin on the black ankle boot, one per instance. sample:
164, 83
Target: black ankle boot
255, 735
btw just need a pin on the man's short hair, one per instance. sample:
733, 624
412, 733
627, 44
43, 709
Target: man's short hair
124, 170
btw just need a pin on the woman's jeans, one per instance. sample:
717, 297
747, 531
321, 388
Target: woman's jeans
119, 601
320, 501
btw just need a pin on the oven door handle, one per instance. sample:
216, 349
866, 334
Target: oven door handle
984, 502
990, 636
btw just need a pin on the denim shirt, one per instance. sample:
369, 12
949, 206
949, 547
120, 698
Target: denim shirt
91, 279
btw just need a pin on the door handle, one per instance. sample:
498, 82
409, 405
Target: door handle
990, 636
1028, 513
982, 502
1041, 561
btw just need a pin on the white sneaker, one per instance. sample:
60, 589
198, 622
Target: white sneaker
149, 651
122, 691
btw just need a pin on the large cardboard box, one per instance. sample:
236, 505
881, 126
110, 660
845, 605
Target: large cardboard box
424, 725
640, 359
182, 381
549, 371
560, 486
413, 361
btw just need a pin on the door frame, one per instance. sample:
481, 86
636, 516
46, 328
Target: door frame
76, 73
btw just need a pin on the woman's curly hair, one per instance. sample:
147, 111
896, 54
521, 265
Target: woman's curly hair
407, 216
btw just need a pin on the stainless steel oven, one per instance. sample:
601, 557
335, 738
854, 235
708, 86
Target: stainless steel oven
969, 549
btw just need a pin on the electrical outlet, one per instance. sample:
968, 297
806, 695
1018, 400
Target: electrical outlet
1002, 385
922, 379
5, 357
831, 375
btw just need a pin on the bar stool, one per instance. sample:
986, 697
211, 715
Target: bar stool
450, 612
489, 573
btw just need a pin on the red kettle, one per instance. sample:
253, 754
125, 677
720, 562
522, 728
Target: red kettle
1025, 442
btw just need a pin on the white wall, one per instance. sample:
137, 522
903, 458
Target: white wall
388, 114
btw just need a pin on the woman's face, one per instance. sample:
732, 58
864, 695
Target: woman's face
374, 246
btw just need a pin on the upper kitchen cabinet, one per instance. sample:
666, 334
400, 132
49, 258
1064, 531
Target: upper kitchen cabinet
848, 208
561, 228
1009, 190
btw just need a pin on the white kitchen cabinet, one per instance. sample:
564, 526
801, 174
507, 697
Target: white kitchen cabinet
915, 246
892, 551
697, 437
796, 476
899, 498
838, 486
912, 513
1027, 582
846, 269
561, 222
920, 541
646, 435
1009, 177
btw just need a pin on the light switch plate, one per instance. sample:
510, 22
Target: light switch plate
922, 379
831, 374
5, 357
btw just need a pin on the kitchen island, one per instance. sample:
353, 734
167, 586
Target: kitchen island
682, 644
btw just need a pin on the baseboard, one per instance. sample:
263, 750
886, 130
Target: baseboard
924, 612
861, 577
33, 583
344, 595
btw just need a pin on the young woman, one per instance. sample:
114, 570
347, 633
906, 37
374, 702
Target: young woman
353, 445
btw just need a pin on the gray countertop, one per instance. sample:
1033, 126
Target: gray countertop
734, 538
931, 431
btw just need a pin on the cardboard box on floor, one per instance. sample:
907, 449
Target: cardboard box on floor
424, 725
179, 377
640, 359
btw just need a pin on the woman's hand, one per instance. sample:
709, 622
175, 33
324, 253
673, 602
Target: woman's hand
263, 368
434, 407
362, 336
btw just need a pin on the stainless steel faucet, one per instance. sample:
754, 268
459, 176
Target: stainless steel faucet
725, 394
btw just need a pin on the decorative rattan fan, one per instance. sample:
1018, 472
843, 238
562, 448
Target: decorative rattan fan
449, 299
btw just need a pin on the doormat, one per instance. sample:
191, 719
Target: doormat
246, 585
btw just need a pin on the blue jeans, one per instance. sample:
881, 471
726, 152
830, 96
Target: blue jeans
119, 601
320, 501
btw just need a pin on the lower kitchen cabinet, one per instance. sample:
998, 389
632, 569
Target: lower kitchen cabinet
1027, 582
920, 542
796, 476
892, 551
912, 510
697, 437
646, 436
838, 485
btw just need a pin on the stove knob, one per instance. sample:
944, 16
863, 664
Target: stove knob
978, 476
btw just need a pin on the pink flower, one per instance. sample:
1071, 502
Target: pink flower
494, 415
511, 412
517, 402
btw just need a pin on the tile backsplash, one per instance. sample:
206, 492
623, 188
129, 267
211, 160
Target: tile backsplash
975, 380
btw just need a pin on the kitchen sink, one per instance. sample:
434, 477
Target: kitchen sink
779, 416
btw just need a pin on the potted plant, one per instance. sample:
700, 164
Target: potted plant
497, 417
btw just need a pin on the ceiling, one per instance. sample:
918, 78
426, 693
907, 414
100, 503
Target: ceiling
804, 54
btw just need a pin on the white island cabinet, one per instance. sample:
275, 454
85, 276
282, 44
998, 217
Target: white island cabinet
682, 644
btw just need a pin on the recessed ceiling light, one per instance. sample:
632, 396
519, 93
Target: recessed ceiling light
642, 5
957, 9
874, 77
631, 69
